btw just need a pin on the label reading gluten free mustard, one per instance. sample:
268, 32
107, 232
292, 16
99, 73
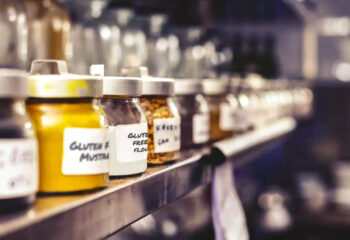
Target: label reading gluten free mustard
85, 151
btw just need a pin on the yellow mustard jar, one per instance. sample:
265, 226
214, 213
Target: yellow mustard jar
71, 128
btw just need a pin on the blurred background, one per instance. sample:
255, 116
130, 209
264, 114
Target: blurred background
301, 189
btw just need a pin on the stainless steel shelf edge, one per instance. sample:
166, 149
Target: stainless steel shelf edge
235, 145
97, 215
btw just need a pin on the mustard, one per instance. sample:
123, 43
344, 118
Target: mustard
50, 120
71, 128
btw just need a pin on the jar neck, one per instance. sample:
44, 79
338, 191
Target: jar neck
60, 100
9, 106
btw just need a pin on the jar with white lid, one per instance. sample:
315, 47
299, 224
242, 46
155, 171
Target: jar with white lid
127, 125
221, 108
163, 119
18, 145
72, 131
194, 112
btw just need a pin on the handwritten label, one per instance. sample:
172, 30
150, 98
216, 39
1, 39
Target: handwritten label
227, 117
166, 135
201, 128
129, 143
18, 167
241, 119
85, 151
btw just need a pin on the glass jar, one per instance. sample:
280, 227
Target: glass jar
18, 146
127, 124
194, 112
13, 27
163, 120
221, 108
239, 113
71, 128
49, 30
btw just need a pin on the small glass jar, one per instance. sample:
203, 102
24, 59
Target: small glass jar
163, 120
18, 146
194, 112
221, 108
127, 124
71, 128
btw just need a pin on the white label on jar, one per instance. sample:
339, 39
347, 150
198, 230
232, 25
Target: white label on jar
166, 135
85, 151
18, 167
227, 117
201, 128
241, 119
130, 142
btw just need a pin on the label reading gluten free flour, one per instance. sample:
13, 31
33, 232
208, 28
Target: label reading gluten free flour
85, 151
227, 117
130, 141
201, 128
18, 167
166, 135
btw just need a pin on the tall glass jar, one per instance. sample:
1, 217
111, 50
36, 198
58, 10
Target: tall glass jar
221, 108
18, 146
13, 28
194, 112
163, 120
71, 127
49, 30
127, 124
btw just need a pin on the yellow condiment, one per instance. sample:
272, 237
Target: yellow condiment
50, 120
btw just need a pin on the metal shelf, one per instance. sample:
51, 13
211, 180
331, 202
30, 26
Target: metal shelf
99, 214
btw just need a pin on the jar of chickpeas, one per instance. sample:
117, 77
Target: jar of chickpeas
163, 120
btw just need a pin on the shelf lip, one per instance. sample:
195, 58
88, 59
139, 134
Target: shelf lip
126, 200
234, 145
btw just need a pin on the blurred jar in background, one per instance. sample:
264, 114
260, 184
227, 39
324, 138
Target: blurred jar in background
192, 53
133, 47
163, 50
49, 30
94, 39
13, 28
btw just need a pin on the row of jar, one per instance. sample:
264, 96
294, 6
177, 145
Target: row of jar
83, 129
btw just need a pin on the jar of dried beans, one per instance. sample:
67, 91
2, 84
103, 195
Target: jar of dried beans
163, 120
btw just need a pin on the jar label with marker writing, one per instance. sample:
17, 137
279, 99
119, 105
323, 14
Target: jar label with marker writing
227, 117
201, 128
85, 151
241, 119
130, 142
18, 167
166, 135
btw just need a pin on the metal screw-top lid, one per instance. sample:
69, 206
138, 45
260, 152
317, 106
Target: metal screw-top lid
151, 85
118, 86
50, 79
215, 86
13, 83
188, 86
